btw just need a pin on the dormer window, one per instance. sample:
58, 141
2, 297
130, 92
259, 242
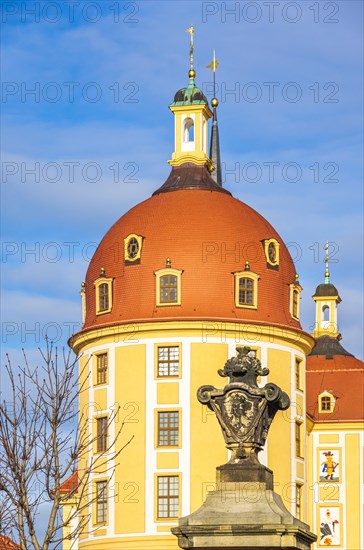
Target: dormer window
168, 287
132, 248
103, 290
271, 251
326, 402
246, 289
294, 299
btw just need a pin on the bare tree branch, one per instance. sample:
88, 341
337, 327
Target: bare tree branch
43, 441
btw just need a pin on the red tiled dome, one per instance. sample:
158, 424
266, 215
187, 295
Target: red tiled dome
207, 234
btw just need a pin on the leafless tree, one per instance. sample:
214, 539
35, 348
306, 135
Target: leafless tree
44, 440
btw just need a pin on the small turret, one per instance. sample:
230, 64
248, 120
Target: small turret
327, 299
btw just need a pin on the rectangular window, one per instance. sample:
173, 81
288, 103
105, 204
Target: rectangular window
298, 500
298, 438
168, 496
101, 440
326, 403
168, 361
102, 364
168, 428
298, 374
246, 291
101, 502
168, 288
103, 297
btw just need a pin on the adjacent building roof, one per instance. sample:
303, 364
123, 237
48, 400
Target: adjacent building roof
70, 484
328, 346
8, 544
332, 369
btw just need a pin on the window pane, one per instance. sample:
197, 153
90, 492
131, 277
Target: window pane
246, 291
102, 434
102, 364
133, 248
103, 297
101, 501
168, 288
298, 439
298, 375
168, 361
168, 496
168, 428
326, 403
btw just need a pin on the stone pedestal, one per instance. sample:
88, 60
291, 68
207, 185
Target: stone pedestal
243, 515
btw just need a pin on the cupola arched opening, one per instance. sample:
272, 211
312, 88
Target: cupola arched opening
325, 313
188, 130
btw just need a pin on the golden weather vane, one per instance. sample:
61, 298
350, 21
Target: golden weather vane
191, 32
214, 65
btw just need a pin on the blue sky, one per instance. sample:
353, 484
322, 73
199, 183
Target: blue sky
290, 91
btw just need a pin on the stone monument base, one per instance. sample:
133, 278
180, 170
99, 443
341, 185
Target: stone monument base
243, 514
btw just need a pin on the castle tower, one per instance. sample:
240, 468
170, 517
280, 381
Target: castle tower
176, 284
335, 442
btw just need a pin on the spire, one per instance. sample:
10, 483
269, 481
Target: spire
215, 142
192, 113
327, 273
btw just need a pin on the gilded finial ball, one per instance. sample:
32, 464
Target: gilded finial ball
168, 262
247, 266
83, 286
102, 272
192, 73
214, 102
297, 276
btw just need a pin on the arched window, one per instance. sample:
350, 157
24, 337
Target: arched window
188, 130
326, 313
295, 303
294, 300
103, 298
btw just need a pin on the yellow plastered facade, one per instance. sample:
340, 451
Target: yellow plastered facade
167, 393
345, 495
202, 352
